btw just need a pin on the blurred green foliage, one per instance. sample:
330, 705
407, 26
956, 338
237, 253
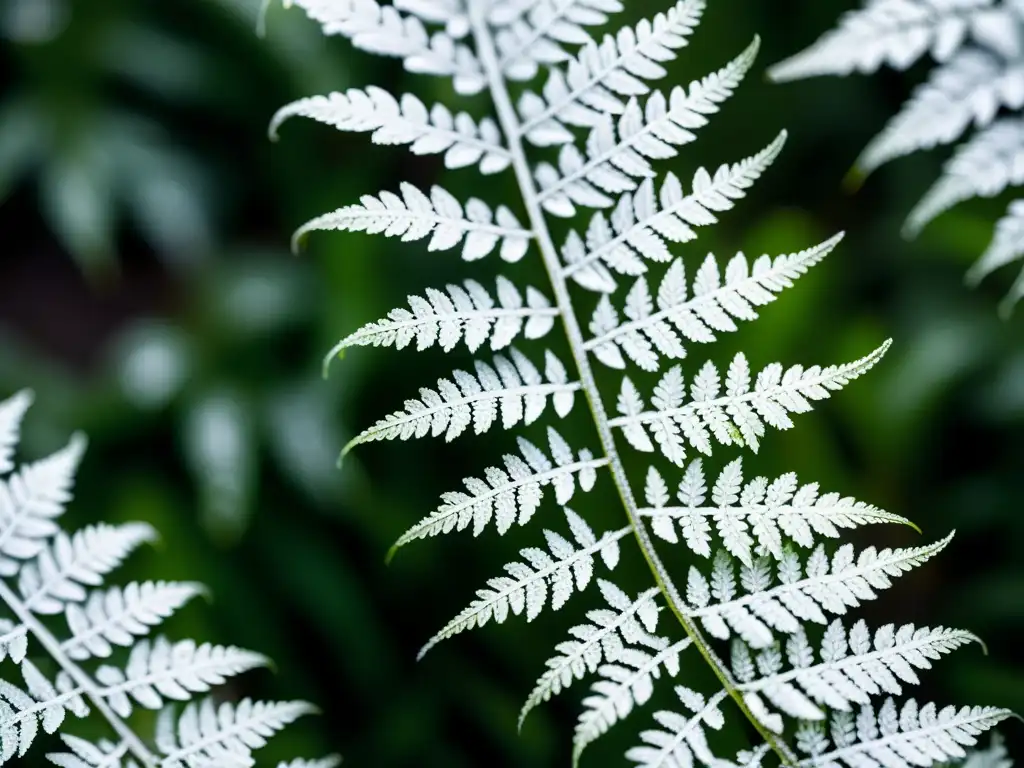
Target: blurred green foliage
132, 135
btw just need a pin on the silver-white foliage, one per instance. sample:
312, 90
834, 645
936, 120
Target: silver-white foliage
782, 596
652, 328
606, 130
979, 49
753, 517
735, 416
511, 494
105, 663
513, 388
554, 574
463, 140
1006, 247
413, 215
895, 737
466, 312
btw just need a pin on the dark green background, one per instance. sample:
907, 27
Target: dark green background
144, 209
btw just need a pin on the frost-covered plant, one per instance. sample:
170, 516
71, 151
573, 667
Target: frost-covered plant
978, 80
91, 643
764, 599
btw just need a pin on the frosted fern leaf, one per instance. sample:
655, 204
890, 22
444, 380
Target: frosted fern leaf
598, 80
513, 494
606, 638
895, 737
513, 389
618, 151
605, 131
643, 223
414, 216
385, 31
737, 416
851, 668
753, 517
1006, 247
533, 33
462, 140
785, 597
993, 756
564, 568
652, 326
466, 312
681, 739
622, 687
49, 571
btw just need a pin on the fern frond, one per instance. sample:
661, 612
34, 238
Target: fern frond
41, 704
801, 594
117, 616
512, 494
463, 140
325, 762
606, 638
653, 326
643, 221
757, 513
222, 734
385, 31
12, 411
896, 737
85, 754
895, 33
618, 152
970, 88
532, 33
622, 687
984, 166
514, 387
466, 313
681, 738
737, 417
1007, 246
852, 669
596, 82
414, 216
565, 568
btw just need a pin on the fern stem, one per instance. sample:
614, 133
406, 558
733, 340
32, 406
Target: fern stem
52, 646
511, 128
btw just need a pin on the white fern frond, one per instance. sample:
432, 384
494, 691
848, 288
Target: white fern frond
223, 735
514, 388
463, 140
565, 568
605, 639
12, 412
325, 762
913, 735
118, 616
624, 686
682, 739
851, 669
653, 325
618, 152
1006, 247
513, 494
643, 221
40, 705
759, 605
532, 34
466, 312
32, 499
86, 754
993, 756
736, 417
751, 517
413, 216
13, 640
984, 166
971, 88
603, 75
893, 33
385, 31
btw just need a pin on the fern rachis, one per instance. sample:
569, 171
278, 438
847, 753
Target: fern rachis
759, 589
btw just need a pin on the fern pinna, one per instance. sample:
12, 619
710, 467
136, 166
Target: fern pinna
763, 601
94, 640
978, 48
